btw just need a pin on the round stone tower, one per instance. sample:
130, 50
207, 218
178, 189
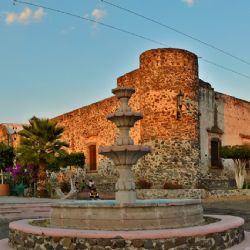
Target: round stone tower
167, 87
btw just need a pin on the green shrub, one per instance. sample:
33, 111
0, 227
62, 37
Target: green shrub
246, 185
7, 156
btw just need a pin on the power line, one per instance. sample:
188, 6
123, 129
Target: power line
121, 30
176, 30
91, 20
225, 68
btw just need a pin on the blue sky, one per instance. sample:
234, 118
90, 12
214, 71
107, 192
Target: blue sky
52, 63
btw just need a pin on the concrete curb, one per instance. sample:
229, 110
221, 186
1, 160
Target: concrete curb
226, 222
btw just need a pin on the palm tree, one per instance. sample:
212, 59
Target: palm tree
40, 144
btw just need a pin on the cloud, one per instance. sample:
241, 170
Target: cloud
189, 2
25, 16
39, 13
10, 18
98, 13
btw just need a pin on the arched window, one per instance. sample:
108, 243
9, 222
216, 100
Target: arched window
215, 156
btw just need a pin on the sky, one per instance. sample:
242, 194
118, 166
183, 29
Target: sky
52, 63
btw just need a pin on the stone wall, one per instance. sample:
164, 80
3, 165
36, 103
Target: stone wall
181, 147
3, 134
190, 193
162, 74
88, 125
211, 122
9, 133
236, 119
225, 119
219, 240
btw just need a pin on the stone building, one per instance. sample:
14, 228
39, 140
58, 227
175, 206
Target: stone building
185, 121
8, 133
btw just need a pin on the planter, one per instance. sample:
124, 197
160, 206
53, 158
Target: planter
18, 189
4, 189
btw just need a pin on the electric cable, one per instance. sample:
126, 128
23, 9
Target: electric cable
123, 31
176, 30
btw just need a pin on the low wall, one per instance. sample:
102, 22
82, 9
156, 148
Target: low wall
217, 235
189, 193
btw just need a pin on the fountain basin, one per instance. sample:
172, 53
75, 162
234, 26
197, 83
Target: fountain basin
111, 215
124, 154
124, 119
227, 231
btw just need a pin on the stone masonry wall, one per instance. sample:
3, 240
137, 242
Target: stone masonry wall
222, 118
3, 134
236, 120
162, 74
88, 125
216, 241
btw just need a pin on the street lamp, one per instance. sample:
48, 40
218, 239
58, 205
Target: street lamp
179, 101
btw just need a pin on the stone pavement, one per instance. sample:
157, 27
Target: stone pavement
9, 206
237, 206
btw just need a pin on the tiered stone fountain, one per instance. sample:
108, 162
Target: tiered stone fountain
124, 153
127, 223
126, 213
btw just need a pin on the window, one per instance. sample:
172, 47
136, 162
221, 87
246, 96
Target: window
92, 157
215, 157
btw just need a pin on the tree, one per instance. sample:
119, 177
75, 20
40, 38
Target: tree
40, 144
66, 159
7, 156
240, 154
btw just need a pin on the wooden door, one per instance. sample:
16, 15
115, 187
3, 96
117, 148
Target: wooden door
92, 157
215, 158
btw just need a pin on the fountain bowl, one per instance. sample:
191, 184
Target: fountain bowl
124, 154
111, 215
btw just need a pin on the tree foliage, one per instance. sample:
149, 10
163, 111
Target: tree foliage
74, 159
235, 152
40, 140
240, 154
7, 156
67, 159
40, 144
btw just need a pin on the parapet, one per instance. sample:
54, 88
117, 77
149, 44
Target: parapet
170, 58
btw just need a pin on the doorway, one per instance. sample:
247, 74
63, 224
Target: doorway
92, 157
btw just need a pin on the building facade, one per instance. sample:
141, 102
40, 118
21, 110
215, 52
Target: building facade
9, 133
185, 121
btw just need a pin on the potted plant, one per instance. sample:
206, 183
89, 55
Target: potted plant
23, 177
6, 160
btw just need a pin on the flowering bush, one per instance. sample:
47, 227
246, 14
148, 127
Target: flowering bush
23, 174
